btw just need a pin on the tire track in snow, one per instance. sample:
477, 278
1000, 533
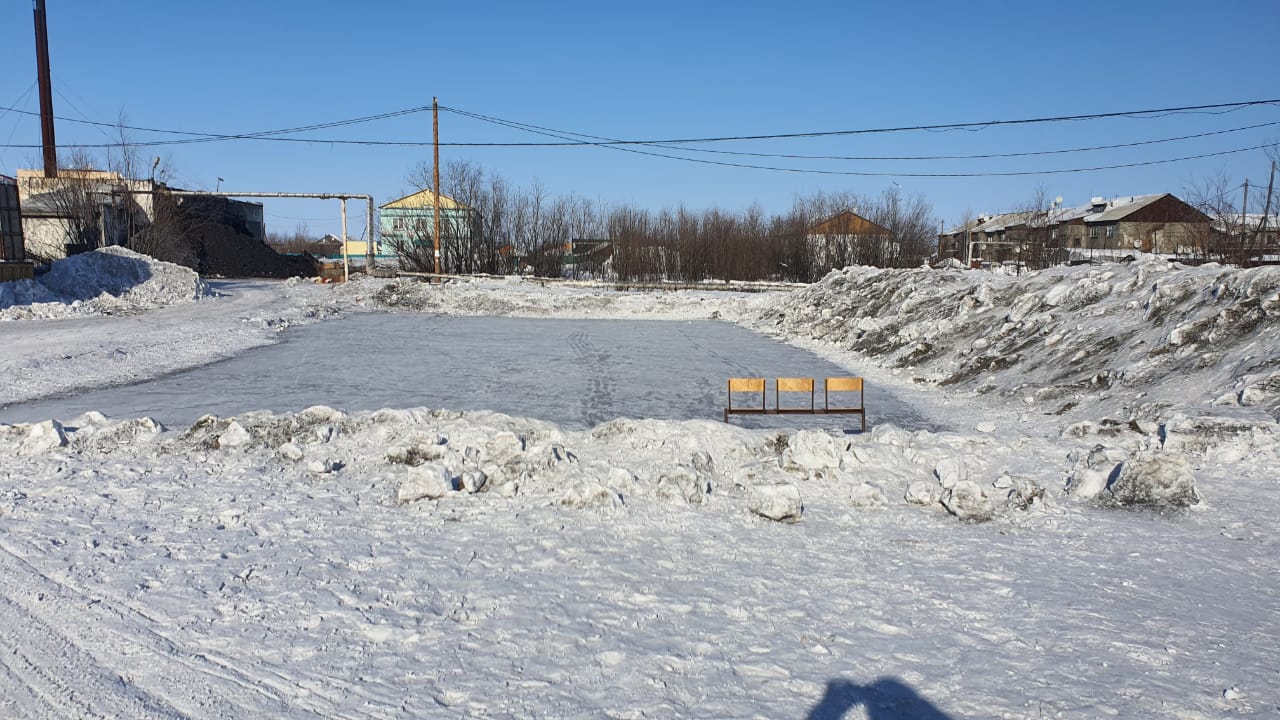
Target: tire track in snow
77, 655
59, 678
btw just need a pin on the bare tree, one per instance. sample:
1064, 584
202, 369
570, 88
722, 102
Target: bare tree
1215, 196
72, 207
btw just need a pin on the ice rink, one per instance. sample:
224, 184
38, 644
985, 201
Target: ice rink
577, 373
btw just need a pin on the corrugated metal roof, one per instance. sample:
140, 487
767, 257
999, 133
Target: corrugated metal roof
424, 199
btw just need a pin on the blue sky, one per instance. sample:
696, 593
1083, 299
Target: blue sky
658, 70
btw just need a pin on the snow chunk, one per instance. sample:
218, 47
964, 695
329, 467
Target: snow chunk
776, 502
1155, 480
588, 494
811, 450
683, 483
864, 495
431, 480
923, 492
1019, 494
503, 446
234, 436
968, 501
1090, 474
41, 437
950, 471
320, 466
290, 452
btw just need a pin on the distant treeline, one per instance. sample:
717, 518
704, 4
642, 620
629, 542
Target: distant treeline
527, 230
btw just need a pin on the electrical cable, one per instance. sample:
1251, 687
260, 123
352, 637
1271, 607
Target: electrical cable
271, 134
554, 133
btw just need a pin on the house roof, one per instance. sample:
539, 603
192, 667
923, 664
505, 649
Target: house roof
1000, 222
847, 223
1111, 210
1121, 207
424, 199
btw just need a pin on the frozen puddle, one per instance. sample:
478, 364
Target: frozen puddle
577, 373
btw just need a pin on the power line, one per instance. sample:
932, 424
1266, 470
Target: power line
570, 139
1031, 153
1137, 114
1221, 108
211, 137
613, 146
608, 141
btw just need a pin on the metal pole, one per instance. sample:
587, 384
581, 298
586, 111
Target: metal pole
46, 93
435, 181
346, 267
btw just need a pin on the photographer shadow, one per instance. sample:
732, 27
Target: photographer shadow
883, 699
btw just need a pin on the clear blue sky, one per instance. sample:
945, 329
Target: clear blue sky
658, 70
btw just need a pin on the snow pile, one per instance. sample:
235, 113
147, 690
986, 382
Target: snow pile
1130, 340
435, 455
111, 280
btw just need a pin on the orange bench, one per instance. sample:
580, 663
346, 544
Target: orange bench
797, 385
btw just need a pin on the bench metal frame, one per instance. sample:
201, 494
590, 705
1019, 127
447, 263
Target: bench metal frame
797, 385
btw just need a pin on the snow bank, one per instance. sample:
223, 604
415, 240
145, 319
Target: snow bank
1065, 341
441, 456
110, 280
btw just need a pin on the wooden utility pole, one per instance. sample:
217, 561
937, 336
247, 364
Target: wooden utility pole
435, 179
1244, 222
46, 93
1260, 238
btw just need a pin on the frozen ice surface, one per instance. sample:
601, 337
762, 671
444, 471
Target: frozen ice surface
578, 373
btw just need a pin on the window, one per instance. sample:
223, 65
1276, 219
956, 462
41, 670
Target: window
1111, 231
1095, 232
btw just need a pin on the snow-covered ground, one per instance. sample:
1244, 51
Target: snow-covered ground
1095, 535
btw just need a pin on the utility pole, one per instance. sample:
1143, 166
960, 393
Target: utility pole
1260, 238
46, 93
1244, 221
435, 179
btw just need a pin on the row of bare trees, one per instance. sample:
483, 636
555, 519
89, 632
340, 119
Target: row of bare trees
1244, 230
503, 229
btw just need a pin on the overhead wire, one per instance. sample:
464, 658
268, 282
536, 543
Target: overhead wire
1220, 108
613, 146
570, 138
213, 137
1155, 113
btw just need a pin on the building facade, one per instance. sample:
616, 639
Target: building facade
407, 226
